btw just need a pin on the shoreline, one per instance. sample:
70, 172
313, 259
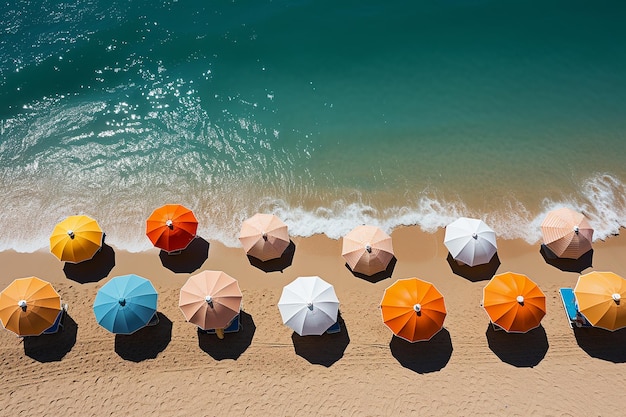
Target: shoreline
265, 369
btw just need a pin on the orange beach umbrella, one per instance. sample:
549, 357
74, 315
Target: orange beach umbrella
413, 309
264, 236
29, 306
567, 233
76, 239
514, 302
367, 250
171, 227
599, 297
210, 299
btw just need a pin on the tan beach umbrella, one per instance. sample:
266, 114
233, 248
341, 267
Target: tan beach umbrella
76, 239
599, 298
367, 250
514, 302
264, 236
210, 299
29, 306
567, 233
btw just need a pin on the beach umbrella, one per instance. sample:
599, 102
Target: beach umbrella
413, 309
470, 241
598, 295
210, 299
76, 239
309, 305
567, 233
367, 250
514, 302
264, 236
28, 306
125, 304
171, 227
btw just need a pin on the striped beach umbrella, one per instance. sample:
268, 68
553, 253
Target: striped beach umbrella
567, 233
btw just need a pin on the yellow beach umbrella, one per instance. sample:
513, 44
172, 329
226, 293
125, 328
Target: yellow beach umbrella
28, 306
76, 239
599, 298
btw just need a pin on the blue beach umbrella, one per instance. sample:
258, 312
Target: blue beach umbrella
125, 304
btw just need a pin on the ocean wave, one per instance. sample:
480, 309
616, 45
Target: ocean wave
602, 199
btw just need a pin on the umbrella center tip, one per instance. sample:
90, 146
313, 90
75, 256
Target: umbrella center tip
209, 300
520, 299
264, 234
22, 304
169, 224
368, 248
309, 305
418, 308
475, 236
122, 301
576, 229
616, 297
70, 233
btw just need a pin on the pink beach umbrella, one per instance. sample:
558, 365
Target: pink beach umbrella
367, 250
264, 236
567, 233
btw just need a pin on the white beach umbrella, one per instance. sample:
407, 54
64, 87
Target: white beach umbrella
309, 305
470, 241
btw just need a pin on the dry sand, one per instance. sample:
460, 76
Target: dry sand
467, 369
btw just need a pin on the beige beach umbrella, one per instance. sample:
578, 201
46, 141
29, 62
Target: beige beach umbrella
210, 299
367, 250
264, 236
567, 233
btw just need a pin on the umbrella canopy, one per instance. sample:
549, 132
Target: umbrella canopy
413, 309
514, 302
76, 239
210, 299
598, 295
28, 306
125, 304
309, 305
567, 233
367, 250
470, 241
171, 227
264, 236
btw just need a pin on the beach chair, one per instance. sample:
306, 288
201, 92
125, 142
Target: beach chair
58, 323
335, 328
233, 327
574, 317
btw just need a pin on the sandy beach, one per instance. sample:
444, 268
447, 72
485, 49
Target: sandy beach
466, 369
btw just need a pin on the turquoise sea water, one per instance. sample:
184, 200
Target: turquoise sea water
329, 114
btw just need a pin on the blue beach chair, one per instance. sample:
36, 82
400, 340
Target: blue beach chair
233, 327
335, 328
58, 323
571, 310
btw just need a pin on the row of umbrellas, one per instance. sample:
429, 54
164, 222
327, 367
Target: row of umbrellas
411, 308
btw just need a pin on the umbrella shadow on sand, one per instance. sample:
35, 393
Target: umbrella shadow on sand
602, 344
145, 343
379, 276
567, 265
187, 260
523, 350
278, 264
323, 350
475, 273
233, 345
94, 269
52, 347
425, 356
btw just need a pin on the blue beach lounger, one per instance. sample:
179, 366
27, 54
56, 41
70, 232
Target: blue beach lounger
571, 310
58, 323
335, 328
233, 327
